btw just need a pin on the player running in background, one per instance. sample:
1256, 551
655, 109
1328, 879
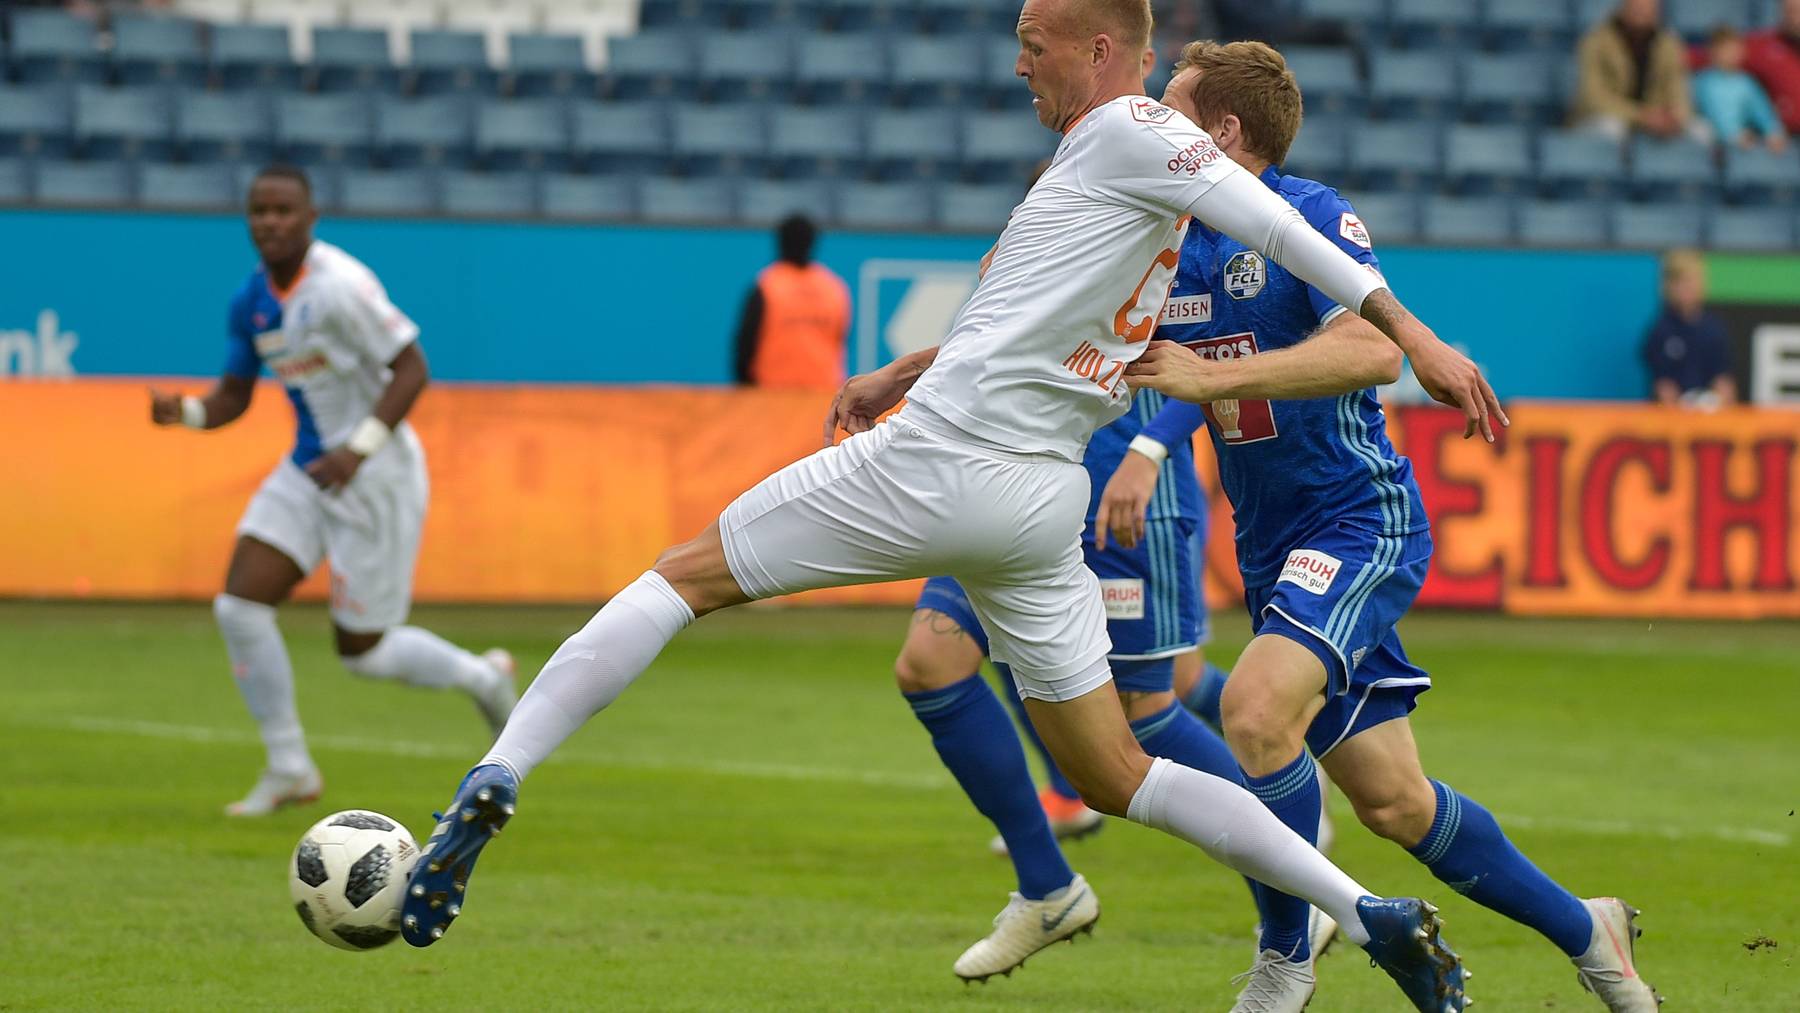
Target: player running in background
977, 478
353, 490
1333, 544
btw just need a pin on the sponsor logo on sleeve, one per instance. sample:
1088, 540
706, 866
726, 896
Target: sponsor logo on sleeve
1353, 230
1245, 275
270, 343
1196, 156
1124, 598
1146, 110
1313, 570
1188, 309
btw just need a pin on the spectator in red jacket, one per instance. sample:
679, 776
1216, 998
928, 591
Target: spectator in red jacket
1774, 58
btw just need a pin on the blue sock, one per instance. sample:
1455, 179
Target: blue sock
1180, 736
1058, 783
1468, 850
976, 741
1203, 699
1292, 794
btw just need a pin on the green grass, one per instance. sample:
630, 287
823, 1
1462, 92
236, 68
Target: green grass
761, 824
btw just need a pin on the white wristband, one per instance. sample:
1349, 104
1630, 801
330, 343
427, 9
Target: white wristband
193, 412
369, 436
1150, 448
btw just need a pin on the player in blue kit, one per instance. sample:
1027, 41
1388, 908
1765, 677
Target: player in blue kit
1333, 544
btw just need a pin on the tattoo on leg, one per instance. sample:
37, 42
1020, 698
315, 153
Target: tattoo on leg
939, 623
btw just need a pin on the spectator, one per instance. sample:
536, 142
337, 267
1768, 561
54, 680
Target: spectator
796, 318
1774, 58
1687, 348
1634, 77
1731, 101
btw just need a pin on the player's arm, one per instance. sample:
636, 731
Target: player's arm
864, 397
223, 405
748, 330
1345, 355
335, 468
1125, 501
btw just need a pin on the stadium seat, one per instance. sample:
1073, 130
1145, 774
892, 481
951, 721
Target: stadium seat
767, 201
15, 180
433, 130
123, 122
1412, 83
301, 18
53, 46
885, 205
546, 65
745, 66
1434, 22
353, 59
869, 15
209, 186
825, 140
215, 11
1319, 150
1564, 223
1394, 156
904, 143
934, 69
394, 192
1762, 176
714, 140
253, 56
699, 201
569, 196
1672, 170
1391, 218
84, 183
498, 194
658, 63
522, 133
397, 20
157, 50
36, 120
1697, 18
1577, 163
450, 61
1003, 146
223, 126
620, 135
1359, 13
1656, 226
999, 61
1487, 159
1750, 229
1328, 78
1514, 87
324, 128
840, 68
1542, 25
595, 27
1486, 221
982, 208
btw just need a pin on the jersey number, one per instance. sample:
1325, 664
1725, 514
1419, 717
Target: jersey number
1136, 320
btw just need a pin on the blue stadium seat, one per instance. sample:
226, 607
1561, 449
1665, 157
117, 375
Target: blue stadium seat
253, 56
15, 180
36, 120
570, 196
353, 59
53, 46
223, 126
841, 68
84, 183
885, 205
499, 194
1672, 170
157, 50
1588, 13
1697, 18
389, 192
620, 135
450, 61
767, 201
1752, 229
1762, 176
1577, 163
435, 130
1514, 87
1483, 221
1394, 156
824, 140
982, 208
1328, 78
1003, 146
324, 128
1656, 226
1434, 22
1319, 150
713, 140
1542, 25
545, 65
209, 186
522, 133
745, 66
657, 63
999, 61
1484, 159
1564, 222
123, 122
1412, 83
913, 142
870, 15
931, 69
1391, 218
1356, 13
707, 201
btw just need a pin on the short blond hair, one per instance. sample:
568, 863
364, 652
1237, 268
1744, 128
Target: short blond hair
1683, 263
1128, 22
1251, 81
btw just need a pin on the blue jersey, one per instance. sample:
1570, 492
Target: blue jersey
1177, 493
1290, 468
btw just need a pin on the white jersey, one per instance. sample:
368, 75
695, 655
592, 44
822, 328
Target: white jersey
1035, 360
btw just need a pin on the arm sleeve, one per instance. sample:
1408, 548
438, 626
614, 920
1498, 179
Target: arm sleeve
1176, 424
1333, 217
372, 324
749, 326
241, 359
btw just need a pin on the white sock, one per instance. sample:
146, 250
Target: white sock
420, 657
1234, 827
263, 673
590, 670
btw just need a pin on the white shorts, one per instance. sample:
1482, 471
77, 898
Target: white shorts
913, 498
369, 531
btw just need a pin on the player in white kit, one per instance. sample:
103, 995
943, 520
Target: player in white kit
352, 490
978, 478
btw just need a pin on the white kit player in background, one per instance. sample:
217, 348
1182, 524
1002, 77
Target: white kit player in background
353, 490
978, 478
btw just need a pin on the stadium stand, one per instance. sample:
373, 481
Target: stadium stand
1447, 117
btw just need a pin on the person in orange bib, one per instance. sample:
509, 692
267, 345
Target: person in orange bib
796, 319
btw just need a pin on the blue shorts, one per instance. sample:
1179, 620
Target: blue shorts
1339, 595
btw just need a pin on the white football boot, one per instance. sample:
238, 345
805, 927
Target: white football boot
1608, 969
274, 790
497, 698
1275, 984
1027, 926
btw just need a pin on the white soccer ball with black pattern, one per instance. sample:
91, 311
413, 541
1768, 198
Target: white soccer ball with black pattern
348, 875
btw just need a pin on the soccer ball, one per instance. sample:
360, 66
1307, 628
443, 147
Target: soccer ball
348, 876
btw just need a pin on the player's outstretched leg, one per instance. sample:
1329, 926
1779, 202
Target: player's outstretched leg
434, 891
419, 657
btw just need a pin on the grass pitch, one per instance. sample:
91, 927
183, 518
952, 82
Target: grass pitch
761, 825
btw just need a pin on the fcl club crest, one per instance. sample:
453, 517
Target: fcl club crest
1245, 275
